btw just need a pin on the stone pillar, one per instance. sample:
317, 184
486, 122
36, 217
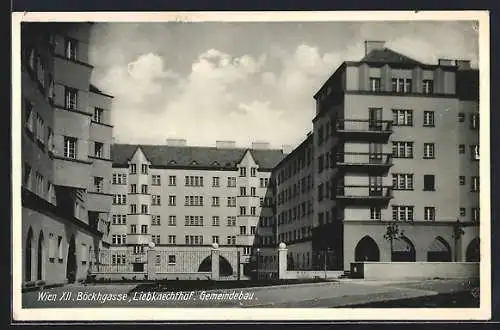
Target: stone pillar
215, 262
282, 260
151, 262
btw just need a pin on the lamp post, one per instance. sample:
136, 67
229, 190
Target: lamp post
258, 262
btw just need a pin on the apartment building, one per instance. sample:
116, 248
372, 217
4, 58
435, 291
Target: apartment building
185, 198
66, 137
394, 140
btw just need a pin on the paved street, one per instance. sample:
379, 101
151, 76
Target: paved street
331, 294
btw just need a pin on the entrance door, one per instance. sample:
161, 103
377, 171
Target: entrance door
71, 263
375, 119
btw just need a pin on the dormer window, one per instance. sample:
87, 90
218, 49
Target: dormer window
401, 85
428, 86
374, 84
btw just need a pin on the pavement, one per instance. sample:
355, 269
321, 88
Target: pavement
340, 293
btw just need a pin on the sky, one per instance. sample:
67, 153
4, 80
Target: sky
244, 82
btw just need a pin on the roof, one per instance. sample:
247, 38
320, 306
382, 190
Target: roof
388, 56
191, 156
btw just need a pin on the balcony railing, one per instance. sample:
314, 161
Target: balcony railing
359, 194
363, 128
364, 161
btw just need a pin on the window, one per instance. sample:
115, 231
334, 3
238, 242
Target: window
171, 239
133, 169
231, 221
171, 259
98, 112
144, 209
462, 212
402, 149
375, 213
172, 220
194, 240
156, 180
28, 120
462, 180
475, 214
475, 183
133, 188
253, 171
193, 181
231, 182
401, 85
429, 151
156, 200
215, 201
144, 168
60, 249
215, 239
144, 229
231, 240
402, 181
253, 191
243, 171
429, 182
119, 199
119, 219
231, 201
27, 176
172, 180
39, 184
374, 84
40, 129
98, 184
428, 118
70, 147
253, 230
171, 200
193, 220
133, 209
70, 98
253, 210
156, 239
71, 49
402, 213
430, 213
243, 210
427, 86
215, 181
461, 117
243, 230
461, 148
98, 149
133, 229
474, 121
144, 190
243, 191
474, 151
138, 249
401, 117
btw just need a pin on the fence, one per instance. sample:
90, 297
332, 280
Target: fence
315, 260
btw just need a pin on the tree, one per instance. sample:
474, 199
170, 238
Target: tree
393, 233
458, 232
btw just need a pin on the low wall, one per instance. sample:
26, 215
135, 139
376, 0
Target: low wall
306, 274
133, 276
414, 270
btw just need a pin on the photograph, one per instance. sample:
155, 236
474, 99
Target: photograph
250, 166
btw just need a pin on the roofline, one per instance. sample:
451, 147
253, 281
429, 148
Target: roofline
309, 137
337, 71
98, 91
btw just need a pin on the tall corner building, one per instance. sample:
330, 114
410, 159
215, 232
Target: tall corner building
185, 198
66, 165
393, 140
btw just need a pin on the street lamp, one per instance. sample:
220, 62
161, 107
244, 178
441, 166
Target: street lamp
258, 261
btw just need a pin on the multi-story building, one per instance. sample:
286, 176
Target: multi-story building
66, 166
394, 140
185, 198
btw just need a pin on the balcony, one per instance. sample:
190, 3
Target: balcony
139, 219
70, 172
364, 129
138, 239
364, 162
364, 195
99, 202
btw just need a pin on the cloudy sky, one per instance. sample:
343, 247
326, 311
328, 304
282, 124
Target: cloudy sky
242, 81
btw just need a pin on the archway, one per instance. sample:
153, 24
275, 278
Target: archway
28, 253
403, 250
472, 254
439, 250
225, 268
366, 250
71, 262
40, 273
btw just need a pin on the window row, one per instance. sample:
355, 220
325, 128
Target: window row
405, 149
294, 235
36, 183
294, 165
302, 186
296, 212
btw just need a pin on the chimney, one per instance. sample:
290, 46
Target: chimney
286, 149
176, 142
463, 64
260, 145
372, 45
225, 144
445, 62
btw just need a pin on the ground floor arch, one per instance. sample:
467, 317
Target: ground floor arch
472, 253
367, 250
40, 272
225, 268
71, 265
403, 250
28, 262
439, 250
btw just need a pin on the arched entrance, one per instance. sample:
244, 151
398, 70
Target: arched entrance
472, 254
28, 254
367, 250
403, 250
71, 262
40, 273
225, 268
439, 250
